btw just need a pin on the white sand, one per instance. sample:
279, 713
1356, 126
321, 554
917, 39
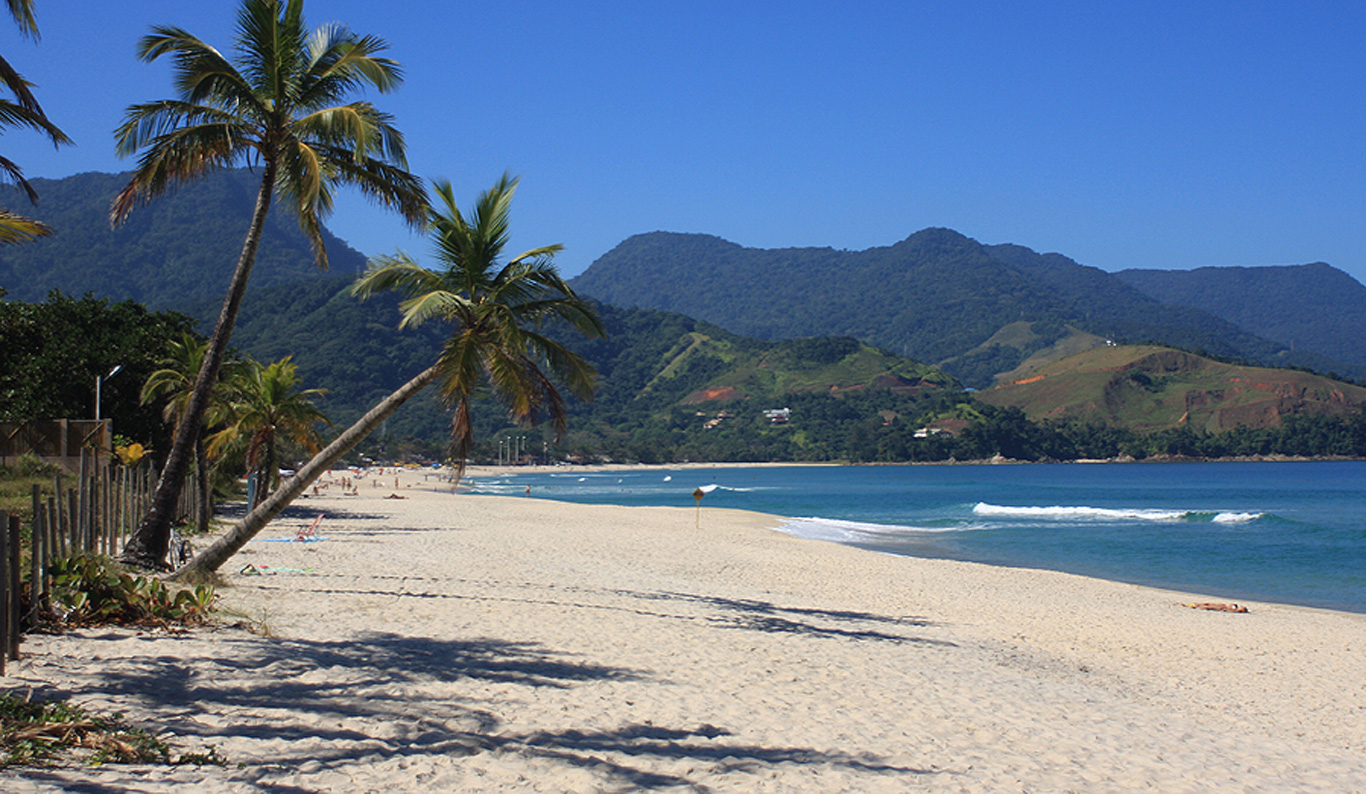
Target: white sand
463, 643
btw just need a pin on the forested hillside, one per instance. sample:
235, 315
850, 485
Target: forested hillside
1272, 301
805, 325
937, 296
670, 386
977, 311
170, 253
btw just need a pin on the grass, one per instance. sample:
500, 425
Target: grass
1149, 388
16, 486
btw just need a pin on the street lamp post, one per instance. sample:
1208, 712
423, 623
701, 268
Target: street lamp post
99, 380
98, 425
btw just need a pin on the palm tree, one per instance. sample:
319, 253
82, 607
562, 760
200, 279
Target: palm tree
277, 105
174, 382
22, 110
495, 312
265, 407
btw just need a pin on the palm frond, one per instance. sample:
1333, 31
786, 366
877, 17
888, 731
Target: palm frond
436, 304
15, 228
201, 74
146, 123
272, 46
340, 62
569, 367
396, 272
175, 157
389, 185
24, 110
22, 11
10, 172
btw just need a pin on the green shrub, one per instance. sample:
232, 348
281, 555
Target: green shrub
93, 590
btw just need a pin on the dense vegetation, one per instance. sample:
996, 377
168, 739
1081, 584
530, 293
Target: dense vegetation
1270, 301
979, 310
52, 353
655, 369
938, 297
649, 363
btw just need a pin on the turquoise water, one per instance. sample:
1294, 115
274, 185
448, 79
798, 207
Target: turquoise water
1274, 532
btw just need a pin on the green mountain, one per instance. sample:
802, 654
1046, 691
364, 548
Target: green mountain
1271, 301
812, 330
664, 378
937, 296
1148, 389
169, 253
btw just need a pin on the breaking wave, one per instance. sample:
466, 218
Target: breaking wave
1064, 513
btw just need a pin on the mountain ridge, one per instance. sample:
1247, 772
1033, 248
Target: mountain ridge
937, 296
1255, 299
178, 249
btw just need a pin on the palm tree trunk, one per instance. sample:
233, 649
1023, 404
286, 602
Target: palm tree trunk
203, 489
147, 547
271, 468
227, 545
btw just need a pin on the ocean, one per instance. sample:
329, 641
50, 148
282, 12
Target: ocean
1292, 532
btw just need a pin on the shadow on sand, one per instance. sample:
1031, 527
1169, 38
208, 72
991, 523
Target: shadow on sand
390, 696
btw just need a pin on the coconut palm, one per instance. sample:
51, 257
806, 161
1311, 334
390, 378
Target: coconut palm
173, 383
22, 110
494, 310
265, 407
278, 105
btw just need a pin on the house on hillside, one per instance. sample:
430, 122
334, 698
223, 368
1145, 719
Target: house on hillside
948, 427
778, 416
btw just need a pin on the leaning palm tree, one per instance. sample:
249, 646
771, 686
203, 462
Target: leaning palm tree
22, 110
494, 312
265, 407
277, 104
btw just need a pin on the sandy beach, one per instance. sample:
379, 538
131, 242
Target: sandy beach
457, 643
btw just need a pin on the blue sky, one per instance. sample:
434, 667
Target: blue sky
1123, 135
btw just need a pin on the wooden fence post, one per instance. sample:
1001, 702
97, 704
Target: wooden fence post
50, 551
54, 527
36, 583
4, 589
83, 504
73, 525
14, 588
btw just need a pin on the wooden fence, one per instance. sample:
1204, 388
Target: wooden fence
95, 515
62, 442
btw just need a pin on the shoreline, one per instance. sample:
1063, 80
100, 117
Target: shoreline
997, 460
471, 643
920, 544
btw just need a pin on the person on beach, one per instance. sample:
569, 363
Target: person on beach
1230, 608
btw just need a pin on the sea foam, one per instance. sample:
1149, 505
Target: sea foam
1091, 513
830, 530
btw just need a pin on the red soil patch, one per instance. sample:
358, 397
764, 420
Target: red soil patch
713, 394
